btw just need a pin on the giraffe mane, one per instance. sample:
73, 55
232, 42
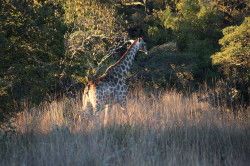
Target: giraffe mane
123, 56
117, 63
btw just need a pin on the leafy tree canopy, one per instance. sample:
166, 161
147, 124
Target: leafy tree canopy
31, 51
235, 50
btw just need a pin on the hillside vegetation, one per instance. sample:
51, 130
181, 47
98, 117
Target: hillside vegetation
50, 48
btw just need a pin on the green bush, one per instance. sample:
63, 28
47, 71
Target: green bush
32, 48
195, 26
233, 57
166, 67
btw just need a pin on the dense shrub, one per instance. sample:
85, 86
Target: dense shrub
166, 67
233, 58
32, 49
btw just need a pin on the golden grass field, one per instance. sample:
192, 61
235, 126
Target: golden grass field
164, 129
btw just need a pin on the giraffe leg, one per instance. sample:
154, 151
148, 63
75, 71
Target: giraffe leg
124, 109
122, 99
105, 118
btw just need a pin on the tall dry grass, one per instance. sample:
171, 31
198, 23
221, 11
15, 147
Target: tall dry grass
164, 129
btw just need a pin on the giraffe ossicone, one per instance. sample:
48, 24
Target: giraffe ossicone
111, 87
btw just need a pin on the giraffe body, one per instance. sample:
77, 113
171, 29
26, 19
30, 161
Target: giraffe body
111, 87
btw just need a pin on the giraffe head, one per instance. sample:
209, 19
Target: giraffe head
142, 45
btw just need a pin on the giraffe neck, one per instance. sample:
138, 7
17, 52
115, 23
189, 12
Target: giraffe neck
121, 68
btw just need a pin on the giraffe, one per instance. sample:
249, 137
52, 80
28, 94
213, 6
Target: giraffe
111, 87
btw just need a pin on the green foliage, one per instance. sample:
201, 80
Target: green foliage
167, 68
32, 50
195, 26
234, 11
157, 35
190, 21
235, 50
233, 58
45, 42
95, 28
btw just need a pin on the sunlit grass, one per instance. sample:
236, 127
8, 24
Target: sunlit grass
163, 129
